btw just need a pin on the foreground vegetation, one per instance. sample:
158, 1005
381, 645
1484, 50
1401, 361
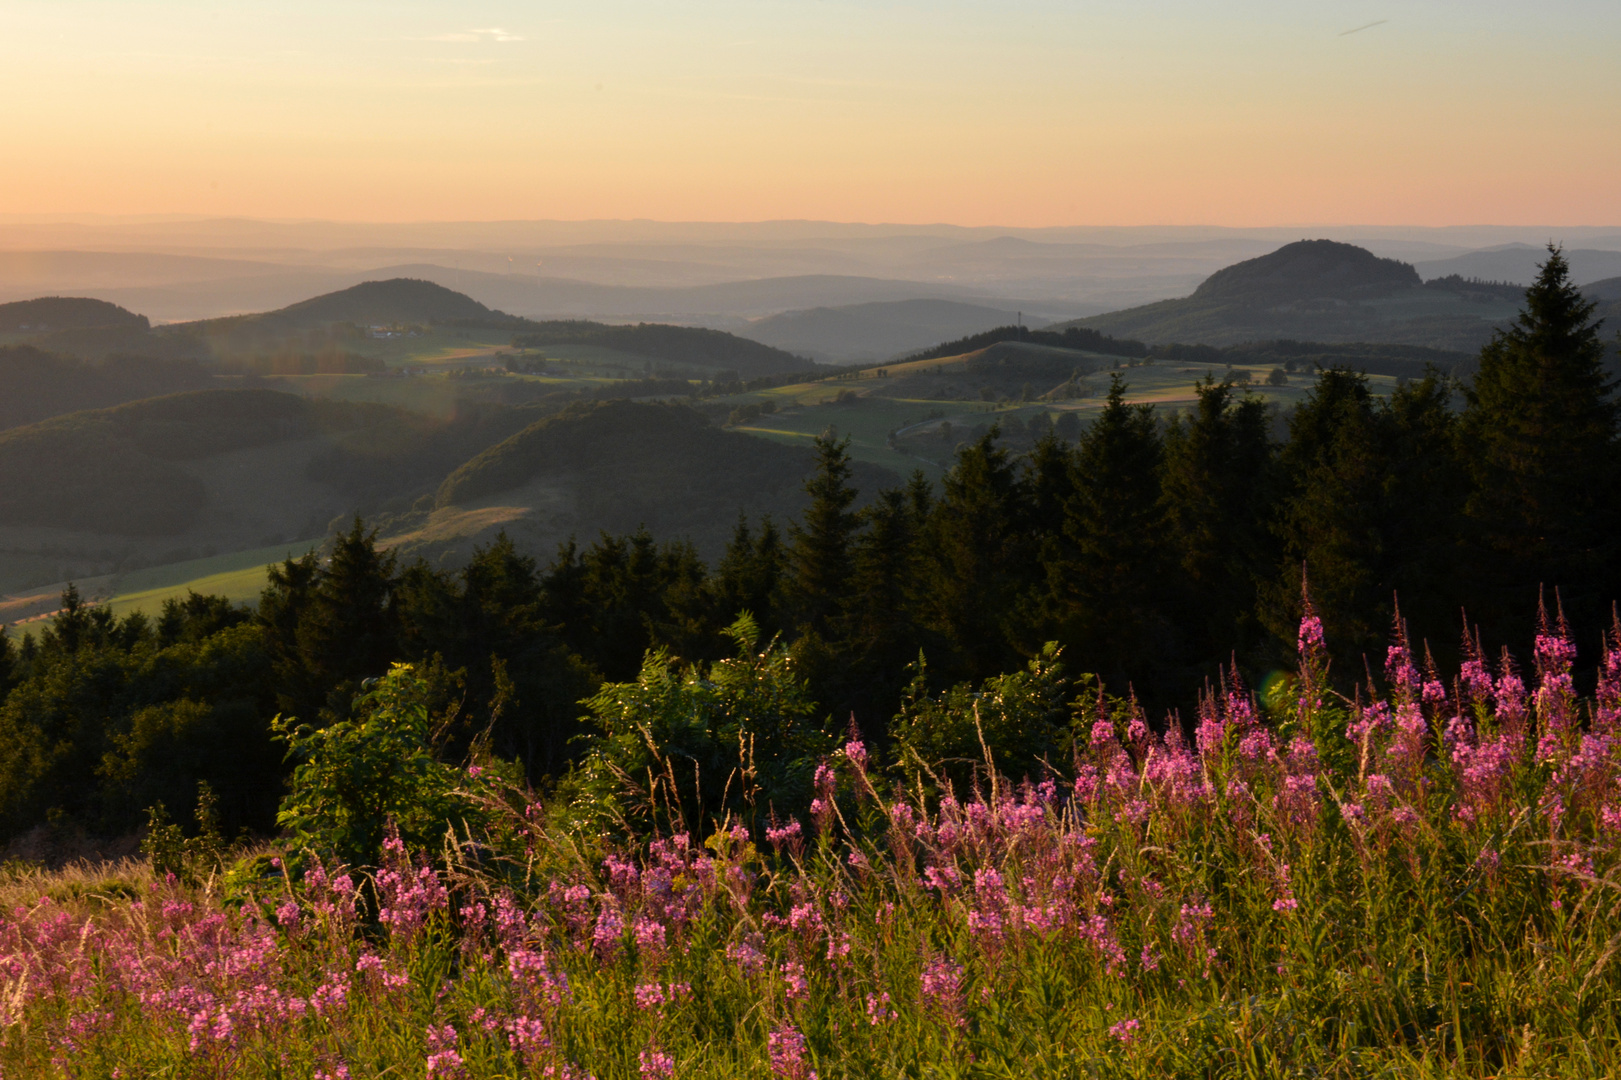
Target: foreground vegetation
1418, 883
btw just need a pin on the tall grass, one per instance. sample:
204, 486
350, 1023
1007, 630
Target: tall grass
1422, 883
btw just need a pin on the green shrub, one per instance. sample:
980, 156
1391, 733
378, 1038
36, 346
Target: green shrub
680, 746
358, 778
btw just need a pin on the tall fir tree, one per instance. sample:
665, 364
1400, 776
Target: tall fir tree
1540, 431
880, 634
1370, 513
749, 576
8, 662
1106, 572
1216, 484
819, 554
977, 558
1329, 518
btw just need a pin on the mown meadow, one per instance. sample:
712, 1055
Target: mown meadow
1415, 880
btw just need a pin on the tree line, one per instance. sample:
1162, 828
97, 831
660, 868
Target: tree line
1153, 549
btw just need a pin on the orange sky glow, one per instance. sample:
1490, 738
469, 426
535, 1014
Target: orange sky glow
1023, 113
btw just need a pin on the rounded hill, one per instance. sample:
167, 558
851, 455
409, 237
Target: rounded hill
397, 300
1308, 270
64, 313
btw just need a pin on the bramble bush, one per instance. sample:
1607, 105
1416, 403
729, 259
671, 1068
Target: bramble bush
1420, 881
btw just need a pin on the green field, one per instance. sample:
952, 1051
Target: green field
805, 410
239, 577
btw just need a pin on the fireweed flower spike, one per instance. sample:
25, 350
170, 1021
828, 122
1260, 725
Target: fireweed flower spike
1170, 870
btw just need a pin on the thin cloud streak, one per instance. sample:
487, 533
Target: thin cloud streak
1359, 29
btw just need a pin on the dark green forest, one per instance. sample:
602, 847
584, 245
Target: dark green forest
1150, 550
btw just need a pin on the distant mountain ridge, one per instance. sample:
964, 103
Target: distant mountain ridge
877, 330
1318, 290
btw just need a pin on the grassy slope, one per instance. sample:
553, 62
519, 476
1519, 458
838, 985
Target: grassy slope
238, 576
807, 409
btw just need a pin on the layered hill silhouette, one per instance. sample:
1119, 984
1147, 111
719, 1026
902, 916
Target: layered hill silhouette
133, 470
618, 466
878, 330
36, 385
395, 302
184, 475
687, 345
1318, 290
48, 313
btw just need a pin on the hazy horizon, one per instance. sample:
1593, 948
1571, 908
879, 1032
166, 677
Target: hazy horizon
1029, 113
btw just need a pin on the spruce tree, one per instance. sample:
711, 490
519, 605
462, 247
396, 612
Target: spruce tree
1217, 476
8, 662
880, 634
1106, 572
748, 577
348, 630
1540, 432
1370, 506
1329, 518
977, 556
819, 550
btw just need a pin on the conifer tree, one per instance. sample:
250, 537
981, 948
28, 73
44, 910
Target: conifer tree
1106, 573
1540, 432
819, 551
1215, 487
977, 561
331, 626
749, 576
8, 662
1371, 496
1329, 518
880, 636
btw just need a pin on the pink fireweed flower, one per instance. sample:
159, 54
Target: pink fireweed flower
444, 1059
608, 935
787, 838
941, 983
795, 986
650, 937
655, 1065
288, 916
527, 1036
1126, 1031
789, 1057
879, 1010
1510, 694
750, 961
653, 996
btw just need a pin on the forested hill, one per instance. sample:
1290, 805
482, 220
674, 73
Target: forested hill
676, 344
1070, 337
624, 465
127, 470
35, 384
64, 313
396, 302
1318, 290
1309, 270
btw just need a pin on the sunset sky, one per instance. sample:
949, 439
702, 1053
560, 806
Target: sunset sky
1018, 112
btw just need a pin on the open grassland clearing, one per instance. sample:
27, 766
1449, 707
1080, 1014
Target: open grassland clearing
238, 576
